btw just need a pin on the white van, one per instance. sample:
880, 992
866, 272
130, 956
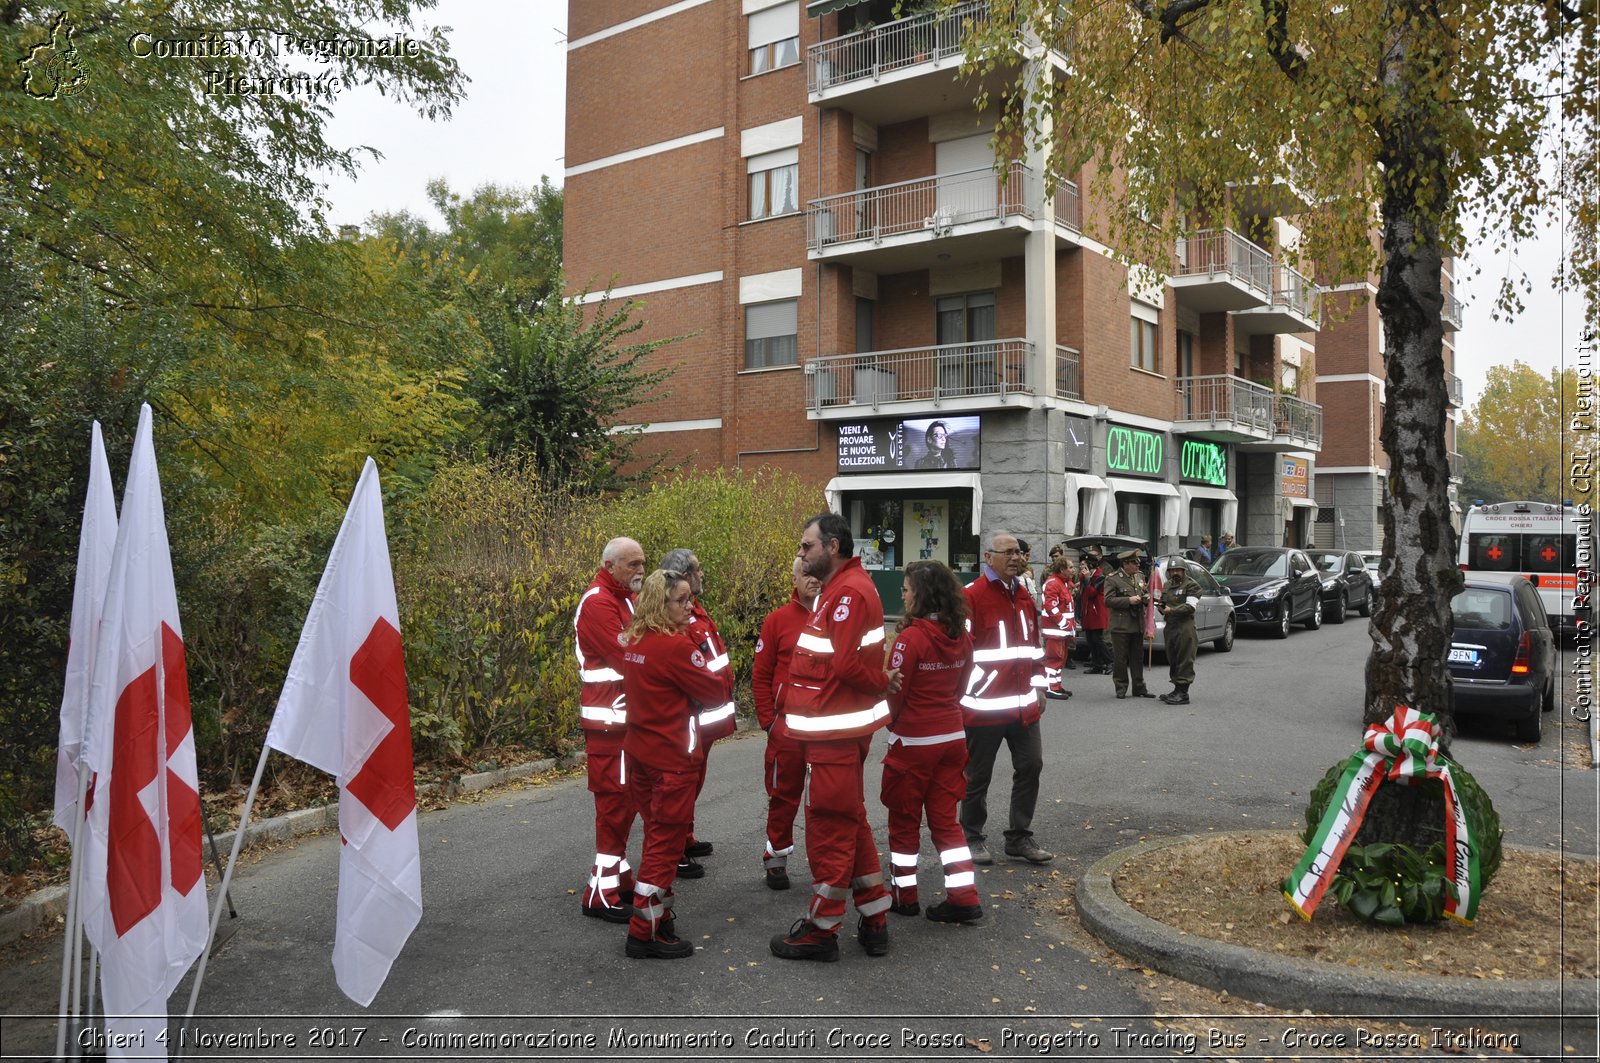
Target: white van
1545, 541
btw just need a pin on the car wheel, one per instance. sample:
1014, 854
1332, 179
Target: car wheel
1314, 621
1531, 727
1366, 603
1282, 630
1550, 695
1225, 643
1339, 607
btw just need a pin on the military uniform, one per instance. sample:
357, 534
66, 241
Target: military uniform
1180, 639
1126, 597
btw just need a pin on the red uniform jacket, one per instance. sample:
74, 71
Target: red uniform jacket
717, 719
774, 649
603, 611
1094, 615
1058, 609
667, 679
836, 677
933, 675
1007, 663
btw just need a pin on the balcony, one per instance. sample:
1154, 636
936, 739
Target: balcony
1220, 270
1293, 307
1069, 379
955, 376
974, 216
1453, 390
1229, 409
1450, 313
1069, 212
1452, 460
900, 69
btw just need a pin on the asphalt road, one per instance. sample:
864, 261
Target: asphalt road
502, 948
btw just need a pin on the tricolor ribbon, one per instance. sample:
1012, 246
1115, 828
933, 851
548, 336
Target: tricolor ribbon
1404, 749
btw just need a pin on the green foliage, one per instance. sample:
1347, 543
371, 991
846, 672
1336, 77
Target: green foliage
1391, 884
1511, 441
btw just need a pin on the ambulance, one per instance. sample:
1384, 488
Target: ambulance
1547, 542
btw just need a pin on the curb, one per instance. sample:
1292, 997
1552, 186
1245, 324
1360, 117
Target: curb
49, 905
1302, 984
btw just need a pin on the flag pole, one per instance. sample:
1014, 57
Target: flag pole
222, 897
71, 943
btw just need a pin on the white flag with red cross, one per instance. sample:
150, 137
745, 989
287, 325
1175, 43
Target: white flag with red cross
144, 894
97, 541
343, 709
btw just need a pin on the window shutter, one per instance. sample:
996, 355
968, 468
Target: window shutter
764, 321
775, 24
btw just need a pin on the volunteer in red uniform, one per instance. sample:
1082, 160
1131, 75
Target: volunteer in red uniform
833, 702
785, 777
1057, 621
924, 768
1002, 702
716, 720
667, 679
603, 611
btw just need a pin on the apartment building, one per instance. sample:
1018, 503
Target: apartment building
806, 192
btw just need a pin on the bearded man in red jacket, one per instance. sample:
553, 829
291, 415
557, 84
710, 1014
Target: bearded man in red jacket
785, 776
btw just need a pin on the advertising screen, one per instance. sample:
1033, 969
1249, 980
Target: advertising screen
919, 444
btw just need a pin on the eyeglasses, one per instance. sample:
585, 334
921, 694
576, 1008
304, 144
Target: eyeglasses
1013, 552
806, 547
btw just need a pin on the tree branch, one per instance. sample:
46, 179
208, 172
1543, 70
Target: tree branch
1279, 46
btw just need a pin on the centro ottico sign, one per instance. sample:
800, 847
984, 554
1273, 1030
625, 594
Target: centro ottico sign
1203, 461
1133, 451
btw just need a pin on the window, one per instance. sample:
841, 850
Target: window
769, 334
1185, 353
775, 37
1142, 344
774, 183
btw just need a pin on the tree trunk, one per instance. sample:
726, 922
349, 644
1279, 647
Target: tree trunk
1412, 626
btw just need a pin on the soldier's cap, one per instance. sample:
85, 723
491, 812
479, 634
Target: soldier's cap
1128, 555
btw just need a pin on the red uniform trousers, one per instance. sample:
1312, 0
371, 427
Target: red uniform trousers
839, 846
699, 784
610, 879
931, 777
665, 800
786, 782
1055, 659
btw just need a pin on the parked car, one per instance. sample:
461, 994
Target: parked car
1271, 586
1372, 559
1502, 654
1345, 583
1213, 610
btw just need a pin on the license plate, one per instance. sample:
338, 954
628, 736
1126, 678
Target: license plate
1460, 656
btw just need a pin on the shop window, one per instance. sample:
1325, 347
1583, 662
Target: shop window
774, 37
770, 331
893, 528
774, 183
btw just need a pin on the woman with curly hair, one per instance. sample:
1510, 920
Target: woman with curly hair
926, 763
666, 681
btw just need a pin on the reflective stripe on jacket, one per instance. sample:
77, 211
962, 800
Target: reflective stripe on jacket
1007, 661
603, 611
836, 679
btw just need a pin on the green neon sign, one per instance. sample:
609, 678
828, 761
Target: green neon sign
1130, 450
1206, 462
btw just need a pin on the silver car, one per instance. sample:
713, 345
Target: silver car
1213, 612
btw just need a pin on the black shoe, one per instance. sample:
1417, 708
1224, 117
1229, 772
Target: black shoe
699, 848
619, 914
945, 912
874, 939
690, 869
1057, 695
1176, 697
1143, 694
1121, 694
664, 946
777, 878
806, 941
1028, 849
911, 908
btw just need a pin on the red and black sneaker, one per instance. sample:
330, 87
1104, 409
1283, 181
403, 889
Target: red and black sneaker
806, 941
873, 933
666, 945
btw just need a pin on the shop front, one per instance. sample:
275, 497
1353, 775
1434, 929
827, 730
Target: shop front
1206, 505
1145, 505
1297, 501
910, 491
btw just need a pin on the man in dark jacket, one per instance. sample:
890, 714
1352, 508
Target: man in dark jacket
1177, 606
1127, 597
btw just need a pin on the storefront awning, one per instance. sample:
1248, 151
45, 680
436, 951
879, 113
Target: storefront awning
822, 7
1187, 493
1167, 493
1308, 502
911, 483
1094, 515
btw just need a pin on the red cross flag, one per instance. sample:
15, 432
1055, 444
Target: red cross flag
343, 709
97, 539
144, 897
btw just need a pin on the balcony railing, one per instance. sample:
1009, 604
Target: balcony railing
1296, 291
1451, 311
1069, 208
931, 204
871, 53
1453, 390
1298, 420
950, 371
1230, 399
1223, 251
1452, 460
1069, 384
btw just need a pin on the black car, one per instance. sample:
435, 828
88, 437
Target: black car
1345, 583
1271, 586
1502, 654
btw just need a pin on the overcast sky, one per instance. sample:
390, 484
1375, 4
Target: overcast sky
510, 130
